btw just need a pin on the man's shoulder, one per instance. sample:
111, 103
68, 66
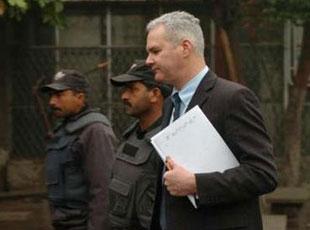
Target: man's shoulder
97, 130
225, 92
220, 84
229, 85
228, 89
86, 120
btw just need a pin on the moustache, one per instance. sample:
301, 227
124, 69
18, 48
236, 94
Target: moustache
53, 109
127, 103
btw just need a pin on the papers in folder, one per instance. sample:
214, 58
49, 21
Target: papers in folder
194, 143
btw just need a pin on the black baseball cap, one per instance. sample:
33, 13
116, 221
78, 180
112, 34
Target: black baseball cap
67, 79
139, 71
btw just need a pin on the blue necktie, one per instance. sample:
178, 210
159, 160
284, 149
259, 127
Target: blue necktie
176, 100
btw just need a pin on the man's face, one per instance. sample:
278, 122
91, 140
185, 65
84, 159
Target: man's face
66, 103
137, 99
163, 56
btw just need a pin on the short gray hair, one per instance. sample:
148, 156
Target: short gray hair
180, 25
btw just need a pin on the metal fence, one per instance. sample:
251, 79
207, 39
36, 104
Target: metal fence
262, 69
32, 64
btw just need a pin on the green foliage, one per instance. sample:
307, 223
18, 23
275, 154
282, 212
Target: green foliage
21, 4
296, 10
51, 11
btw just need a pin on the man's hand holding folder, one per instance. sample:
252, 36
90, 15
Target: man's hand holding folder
196, 147
178, 180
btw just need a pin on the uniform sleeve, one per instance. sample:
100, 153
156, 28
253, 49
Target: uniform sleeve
246, 135
98, 143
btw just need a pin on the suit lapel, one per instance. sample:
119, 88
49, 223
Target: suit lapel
167, 112
201, 95
203, 91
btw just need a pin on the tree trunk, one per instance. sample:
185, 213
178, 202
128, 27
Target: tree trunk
2, 7
293, 113
229, 57
226, 19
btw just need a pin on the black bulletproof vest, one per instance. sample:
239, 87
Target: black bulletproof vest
65, 179
134, 181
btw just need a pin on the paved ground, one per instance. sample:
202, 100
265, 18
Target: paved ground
29, 210
24, 213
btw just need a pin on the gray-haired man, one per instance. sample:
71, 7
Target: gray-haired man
228, 200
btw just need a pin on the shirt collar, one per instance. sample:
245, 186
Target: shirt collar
187, 92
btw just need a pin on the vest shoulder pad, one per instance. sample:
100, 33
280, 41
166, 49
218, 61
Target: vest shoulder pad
86, 120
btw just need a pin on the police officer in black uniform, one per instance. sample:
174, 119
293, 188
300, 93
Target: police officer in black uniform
79, 157
137, 166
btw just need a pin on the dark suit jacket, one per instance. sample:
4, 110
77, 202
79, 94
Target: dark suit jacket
227, 200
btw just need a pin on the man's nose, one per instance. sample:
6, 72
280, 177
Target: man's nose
149, 60
124, 95
52, 101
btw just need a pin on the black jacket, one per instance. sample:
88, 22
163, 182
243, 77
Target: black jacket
228, 200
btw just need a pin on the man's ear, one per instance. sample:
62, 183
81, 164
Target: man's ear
81, 96
187, 47
156, 94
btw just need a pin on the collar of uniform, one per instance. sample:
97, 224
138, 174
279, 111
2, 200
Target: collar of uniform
62, 122
141, 133
135, 126
86, 109
130, 129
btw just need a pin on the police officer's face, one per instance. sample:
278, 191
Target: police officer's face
137, 99
66, 103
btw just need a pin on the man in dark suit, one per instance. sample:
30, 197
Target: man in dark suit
228, 200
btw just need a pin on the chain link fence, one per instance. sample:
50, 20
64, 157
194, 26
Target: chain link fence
35, 63
263, 73
262, 69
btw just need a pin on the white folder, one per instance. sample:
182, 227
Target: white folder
192, 142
